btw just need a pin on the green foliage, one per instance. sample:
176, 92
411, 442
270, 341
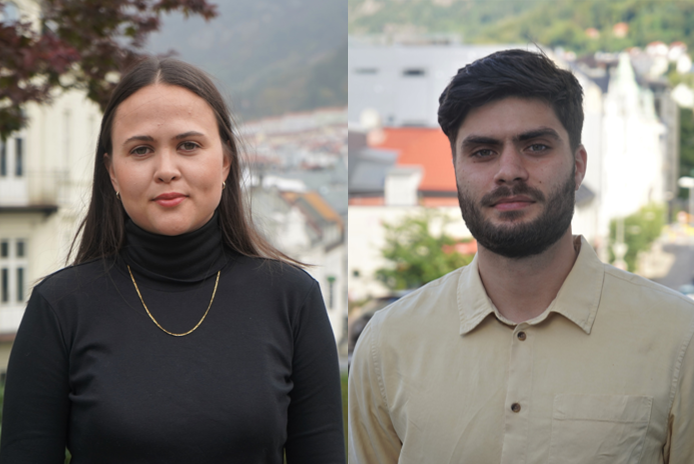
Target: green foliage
686, 146
554, 23
416, 255
640, 230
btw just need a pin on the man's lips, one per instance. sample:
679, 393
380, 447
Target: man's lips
170, 199
512, 203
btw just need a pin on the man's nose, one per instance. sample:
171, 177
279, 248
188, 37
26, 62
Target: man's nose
511, 167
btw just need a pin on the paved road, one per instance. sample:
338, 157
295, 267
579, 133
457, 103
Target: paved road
682, 270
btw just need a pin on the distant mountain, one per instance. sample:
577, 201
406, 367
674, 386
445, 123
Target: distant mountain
269, 56
556, 23
465, 17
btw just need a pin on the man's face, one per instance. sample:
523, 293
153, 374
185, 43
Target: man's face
516, 176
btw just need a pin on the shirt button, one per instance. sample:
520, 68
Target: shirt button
515, 407
521, 336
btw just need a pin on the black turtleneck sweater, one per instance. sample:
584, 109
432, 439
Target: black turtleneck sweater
89, 370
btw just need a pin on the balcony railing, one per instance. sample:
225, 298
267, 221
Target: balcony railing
34, 189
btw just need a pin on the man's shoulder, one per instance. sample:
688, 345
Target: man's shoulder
640, 293
434, 303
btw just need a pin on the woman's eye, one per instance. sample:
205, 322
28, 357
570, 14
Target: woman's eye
189, 146
140, 150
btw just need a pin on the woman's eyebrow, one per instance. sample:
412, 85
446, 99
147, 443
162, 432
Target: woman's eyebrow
147, 138
142, 138
188, 134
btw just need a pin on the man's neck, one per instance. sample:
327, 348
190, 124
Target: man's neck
522, 288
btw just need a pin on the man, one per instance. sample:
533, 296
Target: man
536, 352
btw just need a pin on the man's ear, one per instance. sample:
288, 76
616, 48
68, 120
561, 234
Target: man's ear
580, 161
109, 168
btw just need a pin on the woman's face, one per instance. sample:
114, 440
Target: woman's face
167, 162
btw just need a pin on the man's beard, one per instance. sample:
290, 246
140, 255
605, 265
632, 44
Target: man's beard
518, 240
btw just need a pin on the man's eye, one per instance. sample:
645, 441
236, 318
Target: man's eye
538, 147
484, 153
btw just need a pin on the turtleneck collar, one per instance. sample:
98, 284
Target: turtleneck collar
185, 258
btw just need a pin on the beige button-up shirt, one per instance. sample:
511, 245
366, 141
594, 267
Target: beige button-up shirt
605, 375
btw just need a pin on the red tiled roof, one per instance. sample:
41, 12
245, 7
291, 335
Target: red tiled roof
367, 201
424, 147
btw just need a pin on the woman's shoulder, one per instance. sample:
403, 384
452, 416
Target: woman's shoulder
73, 278
272, 272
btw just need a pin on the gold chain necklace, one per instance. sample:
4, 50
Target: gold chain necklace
214, 292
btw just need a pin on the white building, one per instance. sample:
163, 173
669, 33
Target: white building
403, 83
302, 224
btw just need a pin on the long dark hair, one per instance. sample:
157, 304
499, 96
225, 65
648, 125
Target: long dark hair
102, 230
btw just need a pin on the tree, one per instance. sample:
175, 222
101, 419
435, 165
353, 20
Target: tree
686, 146
77, 45
416, 255
640, 231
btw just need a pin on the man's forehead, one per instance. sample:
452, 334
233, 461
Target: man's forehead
511, 117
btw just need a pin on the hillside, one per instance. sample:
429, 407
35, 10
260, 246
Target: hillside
269, 56
557, 23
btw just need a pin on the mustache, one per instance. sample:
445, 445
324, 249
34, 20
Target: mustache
504, 192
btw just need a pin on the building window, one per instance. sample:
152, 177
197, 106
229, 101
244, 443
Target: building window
414, 72
331, 292
5, 297
3, 158
13, 270
20, 284
19, 157
366, 71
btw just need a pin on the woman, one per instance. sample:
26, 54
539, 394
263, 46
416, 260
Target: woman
178, 335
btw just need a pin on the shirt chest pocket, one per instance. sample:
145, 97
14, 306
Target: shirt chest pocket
599, 429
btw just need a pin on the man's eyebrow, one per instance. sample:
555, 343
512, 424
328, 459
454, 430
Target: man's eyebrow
474, 140
533, 134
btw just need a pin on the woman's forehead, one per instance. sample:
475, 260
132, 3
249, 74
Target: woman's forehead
163, 108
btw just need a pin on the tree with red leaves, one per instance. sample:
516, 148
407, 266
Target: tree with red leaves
77, 44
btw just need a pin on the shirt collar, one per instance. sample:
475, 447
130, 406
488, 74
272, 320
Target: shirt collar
577, 300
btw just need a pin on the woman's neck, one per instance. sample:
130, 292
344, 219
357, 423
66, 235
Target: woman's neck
186, 258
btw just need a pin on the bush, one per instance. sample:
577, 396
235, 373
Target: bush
640, 230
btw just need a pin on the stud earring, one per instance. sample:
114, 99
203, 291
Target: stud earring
224, 185
118, 195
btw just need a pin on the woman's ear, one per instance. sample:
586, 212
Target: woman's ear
109, 167
226, 162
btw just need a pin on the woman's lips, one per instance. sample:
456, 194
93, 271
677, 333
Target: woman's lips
170, 199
